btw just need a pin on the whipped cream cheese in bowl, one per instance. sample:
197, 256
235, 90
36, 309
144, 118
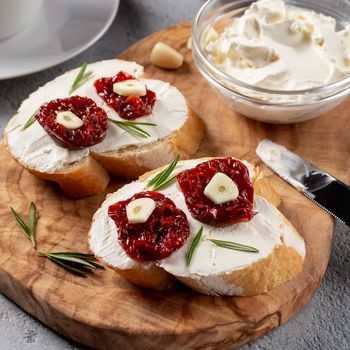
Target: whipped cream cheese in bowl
272, 60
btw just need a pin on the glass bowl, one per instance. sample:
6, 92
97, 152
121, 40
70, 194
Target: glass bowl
272, 106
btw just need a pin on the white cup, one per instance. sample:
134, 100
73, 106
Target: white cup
15, 15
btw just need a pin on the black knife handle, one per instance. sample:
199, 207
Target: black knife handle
336, 198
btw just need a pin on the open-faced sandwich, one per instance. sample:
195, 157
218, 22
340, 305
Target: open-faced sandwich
210, 223
99, 119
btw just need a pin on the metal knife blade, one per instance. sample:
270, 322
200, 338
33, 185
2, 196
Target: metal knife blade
319, 186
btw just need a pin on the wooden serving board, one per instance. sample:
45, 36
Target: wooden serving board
104, 310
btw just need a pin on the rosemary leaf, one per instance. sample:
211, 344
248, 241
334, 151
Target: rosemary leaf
21, 224
97, 266
74, 254
77, 263
87, 257
134, 131
70, 268
32, 221
81, 78
133, 128
140, 123
28, 230
73, 259
30, 121
234, 246
161, 179
163, 184
193, 247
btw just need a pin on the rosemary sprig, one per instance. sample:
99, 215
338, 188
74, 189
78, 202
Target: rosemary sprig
30, 121
133, 128
77, 263
165, 183
234, 246
162, 179
81, 78
32, 221
28, 230
193, 247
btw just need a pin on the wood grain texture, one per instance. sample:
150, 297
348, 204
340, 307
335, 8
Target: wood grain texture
104, 310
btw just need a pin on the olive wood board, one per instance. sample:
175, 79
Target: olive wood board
104, 310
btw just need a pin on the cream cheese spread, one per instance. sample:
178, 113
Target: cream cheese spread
34, 147
282, 47
265, 232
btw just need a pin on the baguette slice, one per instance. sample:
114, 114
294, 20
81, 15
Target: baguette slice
86, 172
213, 270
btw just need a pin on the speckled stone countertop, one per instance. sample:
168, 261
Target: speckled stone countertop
323, 324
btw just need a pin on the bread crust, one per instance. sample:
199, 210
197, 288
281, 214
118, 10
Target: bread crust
150, 277
90, 175
135, 161
278, 267
281, 265
86, 179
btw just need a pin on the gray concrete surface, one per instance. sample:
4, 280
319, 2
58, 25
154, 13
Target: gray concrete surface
323, 324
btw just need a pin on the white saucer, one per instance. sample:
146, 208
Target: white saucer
62, 30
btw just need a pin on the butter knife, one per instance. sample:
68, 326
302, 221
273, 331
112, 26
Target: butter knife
319, 186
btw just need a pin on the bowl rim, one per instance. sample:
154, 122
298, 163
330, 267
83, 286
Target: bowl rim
289, 104
196, 47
